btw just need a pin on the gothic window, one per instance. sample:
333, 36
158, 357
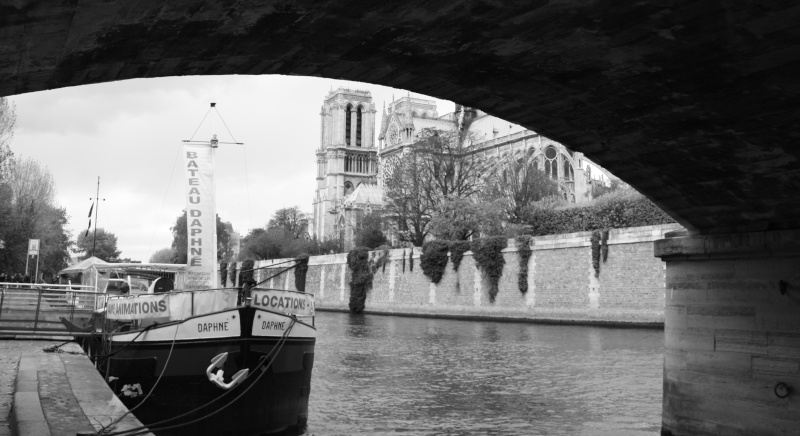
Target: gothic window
347, 121
551, 162
568, 173
358, 126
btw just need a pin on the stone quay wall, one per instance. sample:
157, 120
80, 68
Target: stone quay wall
562, 287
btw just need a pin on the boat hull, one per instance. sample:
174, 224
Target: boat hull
272, 399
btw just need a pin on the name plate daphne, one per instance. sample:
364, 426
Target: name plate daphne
291, 302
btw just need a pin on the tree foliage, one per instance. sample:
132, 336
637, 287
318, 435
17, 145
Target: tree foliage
488, 255
519, 183
28, 211
459, 219
618, 209
290, 219
368, 231
164, 255
438, 167
105, 245
180, 240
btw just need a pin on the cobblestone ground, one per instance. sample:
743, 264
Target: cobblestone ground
60, 406
10, 352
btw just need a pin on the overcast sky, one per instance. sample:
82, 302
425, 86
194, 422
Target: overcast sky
129, 134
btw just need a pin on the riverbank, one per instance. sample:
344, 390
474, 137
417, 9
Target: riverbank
54, 393
564, 286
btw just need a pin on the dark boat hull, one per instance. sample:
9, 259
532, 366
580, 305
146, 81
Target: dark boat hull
273, 398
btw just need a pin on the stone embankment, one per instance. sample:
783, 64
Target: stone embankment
563, 286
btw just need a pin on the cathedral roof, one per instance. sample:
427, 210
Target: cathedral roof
365, 193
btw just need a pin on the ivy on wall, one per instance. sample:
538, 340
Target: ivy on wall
489, 258
246, 273
595, 240
411, 259
300, 270
404, 261
524, 250
232, 273
361, 277
604, 245
223, 274
457, 250
434, 259
381, 258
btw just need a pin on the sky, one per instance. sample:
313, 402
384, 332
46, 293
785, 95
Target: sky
129, 134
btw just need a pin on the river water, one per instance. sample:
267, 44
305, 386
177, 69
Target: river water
388, 375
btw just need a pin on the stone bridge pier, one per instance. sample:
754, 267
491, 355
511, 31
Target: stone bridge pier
696, 104
732, 329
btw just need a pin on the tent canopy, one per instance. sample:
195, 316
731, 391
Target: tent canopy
83, 265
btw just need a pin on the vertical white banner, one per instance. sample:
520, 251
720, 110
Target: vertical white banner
201, 218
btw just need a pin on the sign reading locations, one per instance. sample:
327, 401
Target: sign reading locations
295, 303
201, 221
139, 307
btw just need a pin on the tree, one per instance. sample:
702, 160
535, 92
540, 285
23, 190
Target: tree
180, 240
440, 166
520, 183
368, 231
8, 120
28, 211
290, 219
459, 219
274, 243
164, 255
104, 245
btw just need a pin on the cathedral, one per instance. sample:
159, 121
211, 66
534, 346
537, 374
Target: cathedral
351, 169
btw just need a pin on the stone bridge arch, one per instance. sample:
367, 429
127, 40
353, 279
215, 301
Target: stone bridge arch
695, 104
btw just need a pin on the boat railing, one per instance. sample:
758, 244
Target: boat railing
37, 309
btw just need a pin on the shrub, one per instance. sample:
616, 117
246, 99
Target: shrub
524, 250
361, 280
621, 208
300, 270
223, 273
489, 258
595, 239
434, 259
457, 250
246, 273
232, 273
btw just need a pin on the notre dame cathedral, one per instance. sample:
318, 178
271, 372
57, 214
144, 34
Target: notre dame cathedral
351, 169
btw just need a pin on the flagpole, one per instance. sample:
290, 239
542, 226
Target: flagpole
97, 199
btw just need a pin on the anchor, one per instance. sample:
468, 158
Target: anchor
217, 378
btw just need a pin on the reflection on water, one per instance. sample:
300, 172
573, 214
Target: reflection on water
383, 375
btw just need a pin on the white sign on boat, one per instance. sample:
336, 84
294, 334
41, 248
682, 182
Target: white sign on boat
290, 302
142, 306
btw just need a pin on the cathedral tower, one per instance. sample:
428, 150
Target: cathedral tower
346, 158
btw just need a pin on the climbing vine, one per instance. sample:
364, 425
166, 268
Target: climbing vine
246, 273
411, 259
361, 279
381, 258
457, 250
232, 273
489, 258
595, 240
604, 245
223, 273
300, 271
524, 250
434, 259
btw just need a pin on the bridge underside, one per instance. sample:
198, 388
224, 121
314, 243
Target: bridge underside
694, 103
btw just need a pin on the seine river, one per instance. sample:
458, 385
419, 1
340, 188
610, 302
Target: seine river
387, 375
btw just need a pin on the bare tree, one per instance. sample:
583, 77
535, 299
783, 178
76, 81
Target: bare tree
290, 219
518, 181
440, 167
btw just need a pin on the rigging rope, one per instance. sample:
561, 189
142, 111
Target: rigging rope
260, 366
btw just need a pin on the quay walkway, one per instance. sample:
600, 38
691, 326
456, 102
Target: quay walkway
54, 393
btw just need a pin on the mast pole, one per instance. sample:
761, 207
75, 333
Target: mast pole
97, 199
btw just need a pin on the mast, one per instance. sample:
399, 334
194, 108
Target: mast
97, 208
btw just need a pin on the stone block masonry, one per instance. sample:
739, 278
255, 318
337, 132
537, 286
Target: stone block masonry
562, 287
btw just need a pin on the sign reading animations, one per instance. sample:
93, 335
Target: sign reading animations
295, 303
143, 306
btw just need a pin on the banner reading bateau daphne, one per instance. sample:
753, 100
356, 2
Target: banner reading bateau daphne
201, 221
